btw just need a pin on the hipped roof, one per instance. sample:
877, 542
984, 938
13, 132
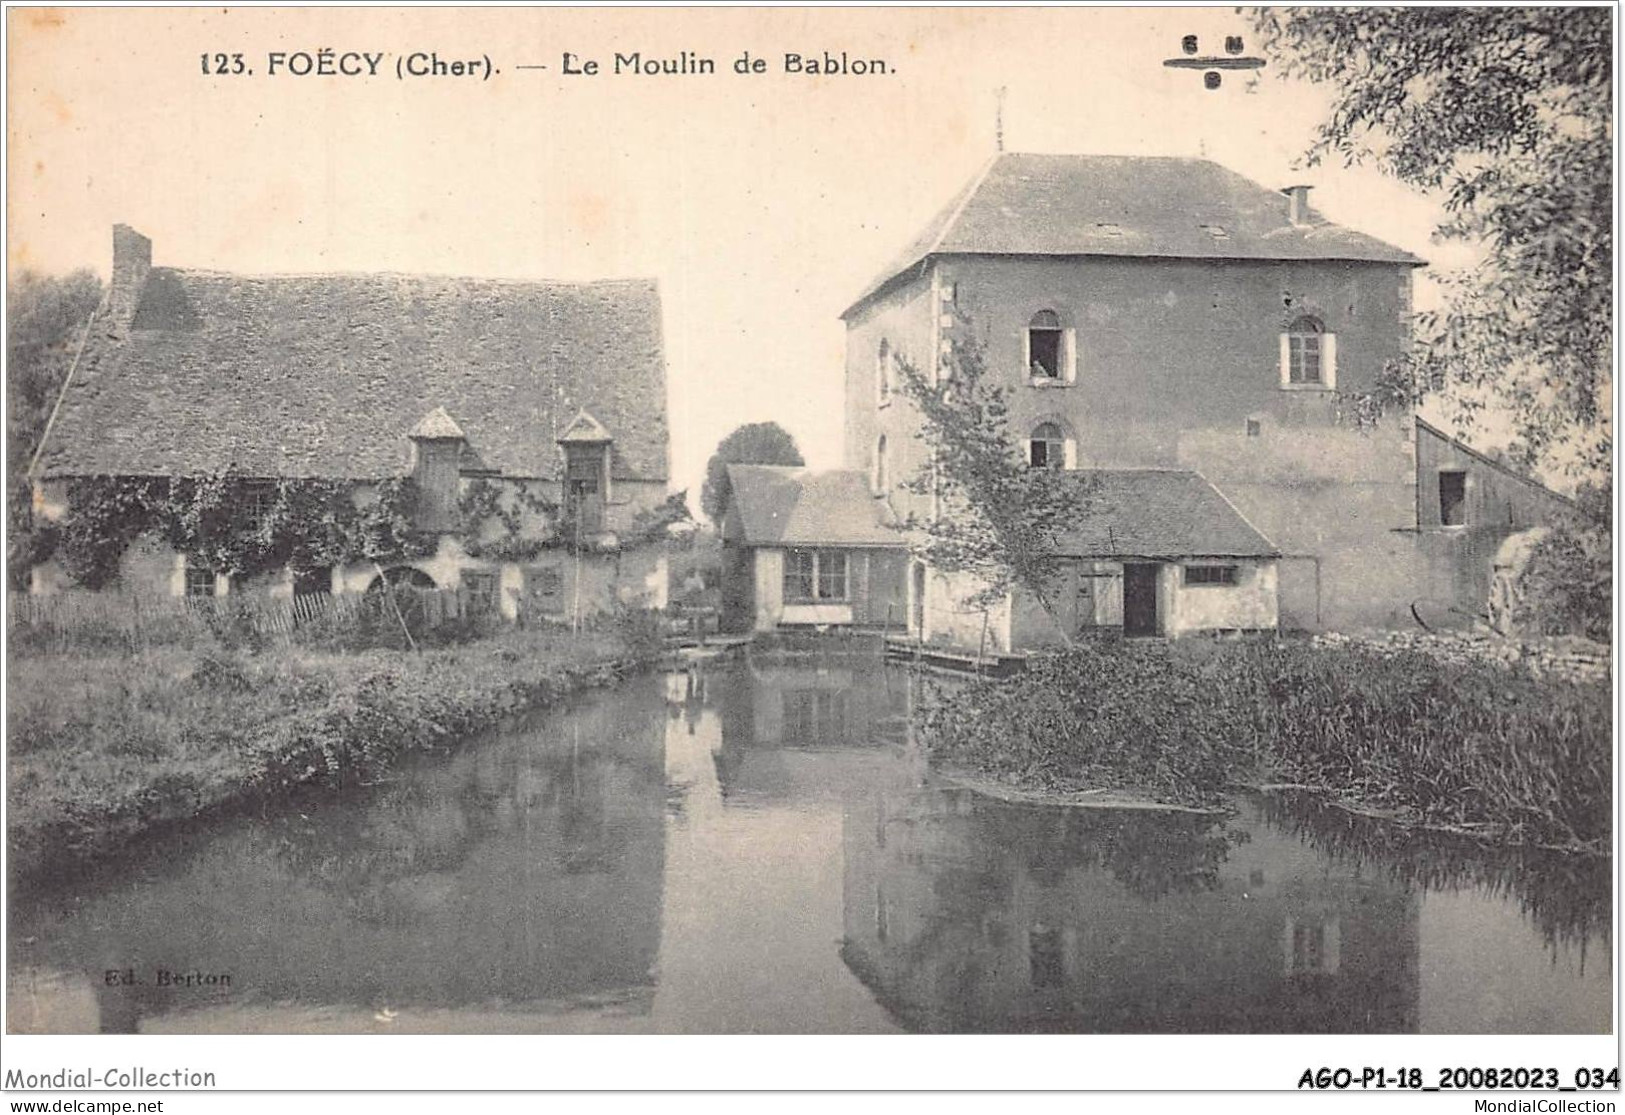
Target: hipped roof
1112, 205
772, 505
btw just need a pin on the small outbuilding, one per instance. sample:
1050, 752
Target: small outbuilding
810, 549
1159, 552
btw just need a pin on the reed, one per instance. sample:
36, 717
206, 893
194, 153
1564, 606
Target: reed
1488, 748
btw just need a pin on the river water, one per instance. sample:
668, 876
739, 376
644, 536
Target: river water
761, 848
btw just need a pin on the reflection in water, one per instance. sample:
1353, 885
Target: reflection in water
521, 870
761, 848
968, 914
1565, 896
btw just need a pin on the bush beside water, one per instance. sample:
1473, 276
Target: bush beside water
101, 747
1480, 747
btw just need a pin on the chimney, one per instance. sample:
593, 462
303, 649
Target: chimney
132, 259
1297, 205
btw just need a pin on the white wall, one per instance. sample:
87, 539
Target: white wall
949, 618
769, 571
1248, 605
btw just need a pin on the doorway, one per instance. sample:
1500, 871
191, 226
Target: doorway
1140, 599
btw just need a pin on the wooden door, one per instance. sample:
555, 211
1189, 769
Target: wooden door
1084, 598
1140, 599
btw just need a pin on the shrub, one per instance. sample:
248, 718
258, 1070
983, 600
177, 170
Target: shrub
1449, 744
1131, 716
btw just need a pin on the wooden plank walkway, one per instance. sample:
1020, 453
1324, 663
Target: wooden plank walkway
957, 660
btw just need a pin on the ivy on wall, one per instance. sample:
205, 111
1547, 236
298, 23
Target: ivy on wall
240, 526
482, 505
233, 524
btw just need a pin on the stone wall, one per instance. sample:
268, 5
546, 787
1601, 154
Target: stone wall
1568, 657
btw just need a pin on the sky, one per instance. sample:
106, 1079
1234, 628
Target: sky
761, 203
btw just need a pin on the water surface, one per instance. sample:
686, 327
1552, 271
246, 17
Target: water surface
761, 848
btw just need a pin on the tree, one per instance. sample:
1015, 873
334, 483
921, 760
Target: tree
1506, 111
1567, 585
45, 321
759, 443
1004, 518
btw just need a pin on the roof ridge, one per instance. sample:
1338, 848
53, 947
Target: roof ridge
1111, 155
505, 280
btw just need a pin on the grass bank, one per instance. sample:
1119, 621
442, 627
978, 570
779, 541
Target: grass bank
1475, 747
103, 747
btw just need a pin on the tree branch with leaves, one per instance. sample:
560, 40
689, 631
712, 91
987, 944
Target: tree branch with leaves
995, 518
1506, 113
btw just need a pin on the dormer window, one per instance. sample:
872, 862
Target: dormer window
1217, 232
1308, 354
586, 473
1049, 350
437, 443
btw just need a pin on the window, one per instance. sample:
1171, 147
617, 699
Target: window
584, 483
799, 572
1047, 446
814, 715
1210, 574
481, 587
1047, 969
883, 369
1312, 946
815, 576
1452, 498
831, 575
547, 581
882, 477
1046, 344
261, 496
1254, 427
1308, 354
199, 581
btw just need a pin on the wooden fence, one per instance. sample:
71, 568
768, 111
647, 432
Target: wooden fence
63, 621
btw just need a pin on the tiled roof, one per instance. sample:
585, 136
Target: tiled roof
1126, 206
776, 506
1159, 513
437, 424
586, 430
326, 375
